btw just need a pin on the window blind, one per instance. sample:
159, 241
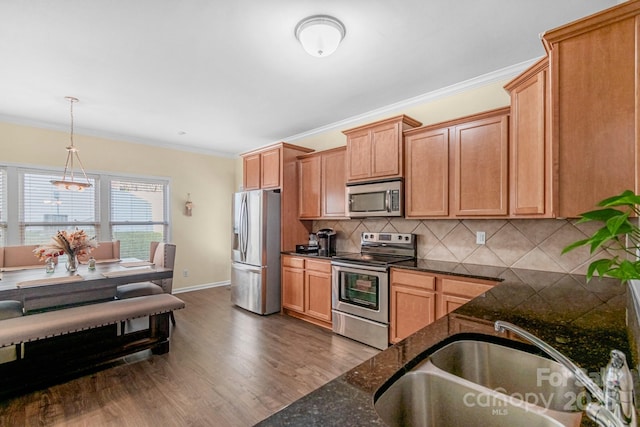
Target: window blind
45, 209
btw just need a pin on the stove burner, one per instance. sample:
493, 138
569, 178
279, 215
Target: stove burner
376, 259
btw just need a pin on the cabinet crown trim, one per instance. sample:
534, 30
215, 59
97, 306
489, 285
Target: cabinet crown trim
277, 145
401, 118
600, 19
459, 120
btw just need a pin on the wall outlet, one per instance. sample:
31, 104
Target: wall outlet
480, 237
185, 273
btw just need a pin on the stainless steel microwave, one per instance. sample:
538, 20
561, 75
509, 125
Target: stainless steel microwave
381, 198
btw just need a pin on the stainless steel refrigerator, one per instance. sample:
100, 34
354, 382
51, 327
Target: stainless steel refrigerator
255, 255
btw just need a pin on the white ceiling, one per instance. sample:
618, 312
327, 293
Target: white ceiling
228, 76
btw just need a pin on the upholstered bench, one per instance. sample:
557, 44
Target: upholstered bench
56, 345
49, 324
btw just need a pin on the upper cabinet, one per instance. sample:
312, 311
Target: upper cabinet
262, 169
427, 173
480, 148
275, 167
376, 150
593, 74
322, 184
531, 158
458, 168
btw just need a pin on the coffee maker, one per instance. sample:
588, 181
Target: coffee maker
326, 241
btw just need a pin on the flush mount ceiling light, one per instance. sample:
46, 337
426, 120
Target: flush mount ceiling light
71, 184
320, 35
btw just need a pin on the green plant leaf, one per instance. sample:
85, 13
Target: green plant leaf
626, 198
574, 245
600, 215
619, 224
601, 266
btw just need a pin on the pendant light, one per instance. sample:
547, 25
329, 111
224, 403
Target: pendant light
72, 151
320, 35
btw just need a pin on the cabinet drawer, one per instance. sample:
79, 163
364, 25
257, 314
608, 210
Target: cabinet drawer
295, 262
464, 288
315, 265
417, 280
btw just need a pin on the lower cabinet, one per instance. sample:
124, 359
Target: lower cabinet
306, 289
418, 298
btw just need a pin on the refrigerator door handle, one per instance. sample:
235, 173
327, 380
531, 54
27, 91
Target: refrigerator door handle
244, 227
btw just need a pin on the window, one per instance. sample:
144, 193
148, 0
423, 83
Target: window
45, 209
3, 207
132, 210
137, 215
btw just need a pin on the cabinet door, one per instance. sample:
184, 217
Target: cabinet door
359, 155
270, 165
386, 151
457, 292
318, 294
333, 184
448, 303
594, 73
310, 187
412, 302
480, 167
251, 172
411, 309
293, 287
530, 154
427, 174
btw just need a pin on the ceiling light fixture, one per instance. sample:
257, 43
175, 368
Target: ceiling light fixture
72, 151
320, 35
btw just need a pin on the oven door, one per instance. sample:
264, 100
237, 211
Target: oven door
361, 290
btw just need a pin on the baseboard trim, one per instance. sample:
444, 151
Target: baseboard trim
200, 287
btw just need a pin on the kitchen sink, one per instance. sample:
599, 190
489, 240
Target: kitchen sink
470, 382
533, 378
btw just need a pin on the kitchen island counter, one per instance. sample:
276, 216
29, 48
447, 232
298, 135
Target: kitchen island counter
583, 321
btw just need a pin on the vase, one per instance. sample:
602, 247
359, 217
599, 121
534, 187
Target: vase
72, 262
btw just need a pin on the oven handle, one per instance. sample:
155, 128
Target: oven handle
358, 266
388, 201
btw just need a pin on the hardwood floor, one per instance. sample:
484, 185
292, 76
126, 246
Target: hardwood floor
226, 367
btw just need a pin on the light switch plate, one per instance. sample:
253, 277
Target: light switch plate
480, 237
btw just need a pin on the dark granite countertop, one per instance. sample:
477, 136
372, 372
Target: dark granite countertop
583, 321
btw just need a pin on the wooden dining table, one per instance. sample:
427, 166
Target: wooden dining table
39, 291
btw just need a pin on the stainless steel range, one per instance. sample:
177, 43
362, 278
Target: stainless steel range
360, 291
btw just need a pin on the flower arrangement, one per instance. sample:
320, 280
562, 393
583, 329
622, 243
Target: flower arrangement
73, 244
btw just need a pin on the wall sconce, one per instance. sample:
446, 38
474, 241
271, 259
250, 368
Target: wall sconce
188, 206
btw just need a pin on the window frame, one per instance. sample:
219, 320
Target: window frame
13, 198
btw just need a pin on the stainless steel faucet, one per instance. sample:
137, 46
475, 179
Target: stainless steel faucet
616, 407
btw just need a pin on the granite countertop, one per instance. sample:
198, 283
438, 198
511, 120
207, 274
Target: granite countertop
583, 321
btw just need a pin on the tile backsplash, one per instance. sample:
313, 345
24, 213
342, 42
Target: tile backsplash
534, 244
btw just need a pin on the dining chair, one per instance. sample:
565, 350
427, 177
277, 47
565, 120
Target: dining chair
109, 250
15, 257
8, 310
162, 255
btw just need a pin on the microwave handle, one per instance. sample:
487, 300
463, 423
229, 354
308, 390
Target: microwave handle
387, 201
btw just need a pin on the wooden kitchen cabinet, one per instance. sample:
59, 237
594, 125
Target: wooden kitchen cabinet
309, 203
413, 303
317, 280
480, 162
322, 184
261, 169
458, 168
427, 173
419, 298
306, 289
594, 86
456, 291
530, 154
275, 167
293, 283
375, 150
